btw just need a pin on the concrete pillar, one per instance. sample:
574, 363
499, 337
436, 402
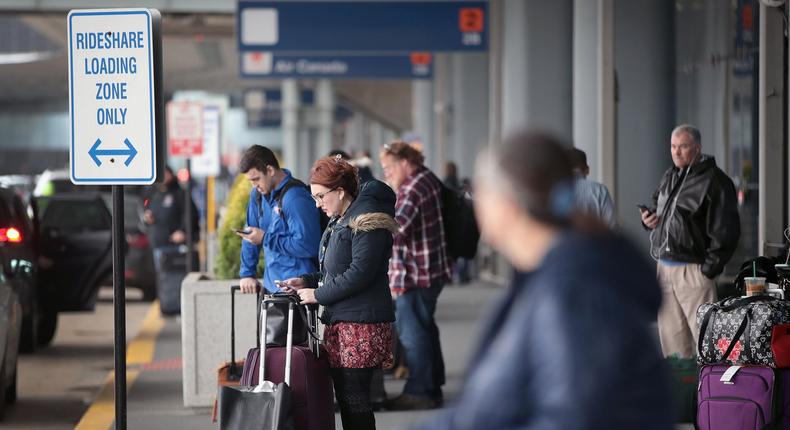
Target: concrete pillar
771, 165
443, 109
703, 37
593, 87
495, 48
325, 104
355, 131
422, 116
644, 61
290, 124
376, 133
470, 113
530, 78
537, 65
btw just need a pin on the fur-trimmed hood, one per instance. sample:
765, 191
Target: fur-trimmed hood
374, 204
373, 221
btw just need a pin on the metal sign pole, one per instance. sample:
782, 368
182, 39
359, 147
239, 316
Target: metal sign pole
188, 214
119, 302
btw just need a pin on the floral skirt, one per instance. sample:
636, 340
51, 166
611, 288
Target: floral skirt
358, 345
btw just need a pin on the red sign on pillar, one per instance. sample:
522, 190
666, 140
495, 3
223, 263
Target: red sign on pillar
185, 128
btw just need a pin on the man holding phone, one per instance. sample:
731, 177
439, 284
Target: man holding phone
282, 219
695, 228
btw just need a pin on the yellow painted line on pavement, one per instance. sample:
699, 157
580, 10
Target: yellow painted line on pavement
141, 350
101, 414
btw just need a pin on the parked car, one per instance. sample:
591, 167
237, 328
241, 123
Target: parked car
74, 244
17, 241
139, 269
10, 332
139, 261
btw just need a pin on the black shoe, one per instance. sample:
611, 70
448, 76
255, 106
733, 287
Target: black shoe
409, 402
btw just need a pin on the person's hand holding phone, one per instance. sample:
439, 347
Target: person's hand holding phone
291, 285
649, 219
253, 235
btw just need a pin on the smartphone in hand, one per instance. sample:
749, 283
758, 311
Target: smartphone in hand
241, 231
644, 208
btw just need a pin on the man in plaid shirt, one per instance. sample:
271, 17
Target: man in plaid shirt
418, 270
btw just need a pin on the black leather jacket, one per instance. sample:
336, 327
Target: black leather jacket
355, 252
703, 226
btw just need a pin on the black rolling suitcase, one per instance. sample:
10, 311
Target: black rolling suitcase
169, 278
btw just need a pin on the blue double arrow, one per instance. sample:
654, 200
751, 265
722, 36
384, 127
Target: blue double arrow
95, 152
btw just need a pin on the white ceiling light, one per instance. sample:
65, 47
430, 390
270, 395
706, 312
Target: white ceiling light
25, 57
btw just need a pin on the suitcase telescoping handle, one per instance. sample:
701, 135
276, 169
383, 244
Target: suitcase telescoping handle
288, 344
233, 290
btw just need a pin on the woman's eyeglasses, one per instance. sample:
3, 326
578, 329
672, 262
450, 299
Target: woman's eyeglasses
319, 197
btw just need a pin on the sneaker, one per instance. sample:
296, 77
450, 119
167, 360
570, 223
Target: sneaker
409, 402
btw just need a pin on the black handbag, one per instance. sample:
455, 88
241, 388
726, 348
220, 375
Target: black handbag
265, 405
241, 408
277, 306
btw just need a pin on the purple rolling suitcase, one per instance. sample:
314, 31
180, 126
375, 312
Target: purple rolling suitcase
311, 383
743, 398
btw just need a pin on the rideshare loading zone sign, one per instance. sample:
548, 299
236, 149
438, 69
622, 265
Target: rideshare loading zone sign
112, 103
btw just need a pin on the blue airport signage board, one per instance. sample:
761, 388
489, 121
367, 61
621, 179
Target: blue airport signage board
261, 64
362, 26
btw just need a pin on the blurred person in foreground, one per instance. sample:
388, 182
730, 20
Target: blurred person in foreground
352, 283
569, 346
592, 198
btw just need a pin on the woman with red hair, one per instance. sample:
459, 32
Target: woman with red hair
352, 282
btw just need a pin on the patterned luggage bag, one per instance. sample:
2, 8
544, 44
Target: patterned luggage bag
751, 330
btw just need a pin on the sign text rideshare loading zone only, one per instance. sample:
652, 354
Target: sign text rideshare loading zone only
112, 104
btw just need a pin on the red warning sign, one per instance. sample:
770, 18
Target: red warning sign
471, 20
421, 58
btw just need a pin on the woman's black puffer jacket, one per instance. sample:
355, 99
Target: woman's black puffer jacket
354, 256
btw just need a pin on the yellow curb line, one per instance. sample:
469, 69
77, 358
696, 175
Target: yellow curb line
101, 414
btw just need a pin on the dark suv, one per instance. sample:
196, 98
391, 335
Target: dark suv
74, 245
139, 262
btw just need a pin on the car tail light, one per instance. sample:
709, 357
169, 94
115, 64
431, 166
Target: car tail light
137, 240
10, 235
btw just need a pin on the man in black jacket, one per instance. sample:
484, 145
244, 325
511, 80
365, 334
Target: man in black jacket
695, 230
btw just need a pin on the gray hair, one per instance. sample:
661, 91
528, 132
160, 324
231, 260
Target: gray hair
690, 130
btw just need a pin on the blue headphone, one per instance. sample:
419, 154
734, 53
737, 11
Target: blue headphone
562, 199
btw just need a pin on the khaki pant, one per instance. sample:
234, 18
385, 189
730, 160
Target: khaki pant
684, 288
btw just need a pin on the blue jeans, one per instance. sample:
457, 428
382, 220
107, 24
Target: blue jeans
420, 338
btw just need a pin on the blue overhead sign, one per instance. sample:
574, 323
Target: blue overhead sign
386, 26
261, 64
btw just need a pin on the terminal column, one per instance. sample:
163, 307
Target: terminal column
422, 116
593, 87
290, 124
537, 65
325, 102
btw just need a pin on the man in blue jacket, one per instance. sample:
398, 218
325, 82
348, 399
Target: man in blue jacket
282, 218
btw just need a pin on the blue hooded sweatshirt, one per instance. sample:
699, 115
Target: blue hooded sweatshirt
293, 232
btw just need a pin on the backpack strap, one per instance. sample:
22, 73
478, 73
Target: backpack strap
293, 182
